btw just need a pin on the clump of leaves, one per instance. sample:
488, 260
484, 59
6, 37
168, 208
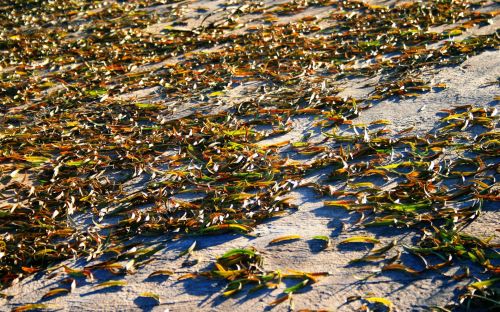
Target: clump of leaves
244, 268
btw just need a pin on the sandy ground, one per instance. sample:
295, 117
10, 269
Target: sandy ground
466, 84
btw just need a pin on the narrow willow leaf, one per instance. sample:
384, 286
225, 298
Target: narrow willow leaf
77, 163
399, 267
340, 203
189, 250
151, 295
327, 241
187, 276
230, 292
226, 227
368, 258
363, 185
36, 160
216, 93
31, 307
147, 105
485, 284
55, 292
296, 287
360, 239
97, 92
238, 251
380, 300
111, 284
161, 272
285, 239
384, 249
30, 270
455, 32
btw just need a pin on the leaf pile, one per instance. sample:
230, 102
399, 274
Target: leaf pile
77, 144
242, 267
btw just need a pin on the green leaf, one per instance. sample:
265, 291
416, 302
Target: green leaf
44, 252
148, 106
161, 272
189, 250
238, 251
384, 249
97, 92
296, 287
36, 160
455, 32
239, 132
485, 284
234, 290
325, 239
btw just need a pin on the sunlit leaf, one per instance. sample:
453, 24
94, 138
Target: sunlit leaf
280, 300
296, 287
380, 300
109, 284
285, 239
485, 284
161, 272
360, 239
151, 295
31, 307
55, 292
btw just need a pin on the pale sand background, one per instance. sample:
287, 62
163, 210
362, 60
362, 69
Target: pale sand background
465, 85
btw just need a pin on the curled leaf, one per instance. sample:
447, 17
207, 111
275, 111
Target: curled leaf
380, 300
151, 295
111, 284
161, 272
31, 307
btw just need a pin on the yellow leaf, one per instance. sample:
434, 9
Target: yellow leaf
187, 276
161, 272
360, 239
285, 238
455, 32
383, 301
148, 294
216, 93
55, 292
36, 160
111, 284
485, 284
